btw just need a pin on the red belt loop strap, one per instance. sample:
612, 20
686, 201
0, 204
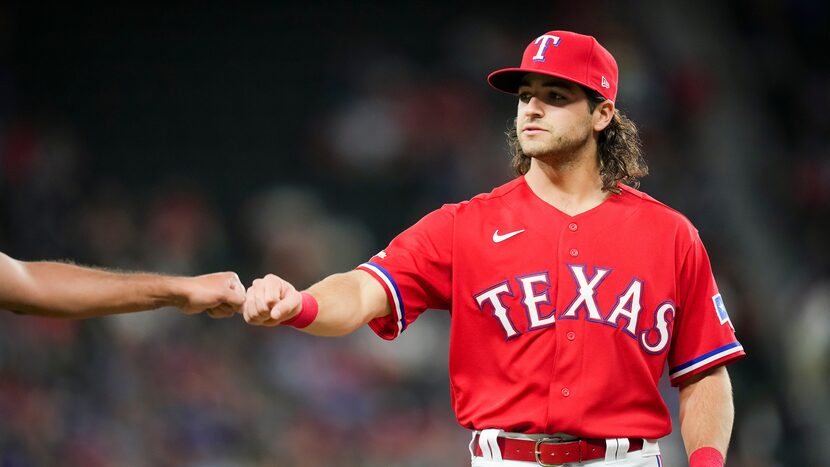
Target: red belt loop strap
552, 451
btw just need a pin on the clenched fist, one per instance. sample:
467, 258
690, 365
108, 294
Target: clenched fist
271, 301
220, 294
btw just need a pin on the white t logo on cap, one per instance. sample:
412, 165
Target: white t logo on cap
545, 40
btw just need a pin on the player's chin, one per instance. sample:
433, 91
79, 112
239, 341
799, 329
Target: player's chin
534, 144
535, 149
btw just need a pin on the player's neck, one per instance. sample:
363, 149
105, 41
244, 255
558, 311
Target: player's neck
572, 189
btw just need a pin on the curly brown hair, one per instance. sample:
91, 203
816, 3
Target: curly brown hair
619, 149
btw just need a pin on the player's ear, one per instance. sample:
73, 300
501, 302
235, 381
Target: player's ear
603, 114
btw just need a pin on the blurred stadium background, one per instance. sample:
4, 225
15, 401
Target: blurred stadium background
300, 137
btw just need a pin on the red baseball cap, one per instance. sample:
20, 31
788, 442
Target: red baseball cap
564, 54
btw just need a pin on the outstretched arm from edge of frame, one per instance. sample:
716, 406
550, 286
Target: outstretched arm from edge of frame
344, 303
55, 289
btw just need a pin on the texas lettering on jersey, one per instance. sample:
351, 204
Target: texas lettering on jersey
535, 293
551, 314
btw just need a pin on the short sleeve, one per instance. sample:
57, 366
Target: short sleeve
703, 336
415, 270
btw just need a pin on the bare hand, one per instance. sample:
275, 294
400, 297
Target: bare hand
221, 294
270, 301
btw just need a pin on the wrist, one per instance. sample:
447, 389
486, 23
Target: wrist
706, 457
307, 314
171, 291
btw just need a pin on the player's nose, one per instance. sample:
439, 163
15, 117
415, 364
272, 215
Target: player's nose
533, 107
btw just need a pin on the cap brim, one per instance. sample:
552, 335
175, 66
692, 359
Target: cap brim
508, 79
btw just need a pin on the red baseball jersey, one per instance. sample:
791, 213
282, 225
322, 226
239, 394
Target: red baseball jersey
560, 323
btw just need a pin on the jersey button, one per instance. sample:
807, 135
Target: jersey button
570, 335
574, 252
566, 392
572, 226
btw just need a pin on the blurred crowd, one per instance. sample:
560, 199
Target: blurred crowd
730, 105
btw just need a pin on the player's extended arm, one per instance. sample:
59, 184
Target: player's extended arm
68, 291
344, 302
706, 411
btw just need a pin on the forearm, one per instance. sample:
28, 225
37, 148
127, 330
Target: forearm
65, 290
707, 412
346, 302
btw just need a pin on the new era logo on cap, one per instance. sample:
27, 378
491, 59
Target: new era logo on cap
564, 54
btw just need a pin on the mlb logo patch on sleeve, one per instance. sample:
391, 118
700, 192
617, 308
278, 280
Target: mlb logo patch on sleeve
720, 309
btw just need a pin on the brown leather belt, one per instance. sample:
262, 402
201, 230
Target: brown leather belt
553, 451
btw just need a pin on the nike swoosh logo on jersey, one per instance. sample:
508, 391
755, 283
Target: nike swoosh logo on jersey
500, 238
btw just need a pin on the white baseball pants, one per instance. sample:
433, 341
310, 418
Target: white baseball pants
617, 454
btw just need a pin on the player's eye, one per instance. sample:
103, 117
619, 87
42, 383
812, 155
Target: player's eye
525, 97
556, 97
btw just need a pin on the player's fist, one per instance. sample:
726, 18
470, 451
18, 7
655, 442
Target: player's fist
270, 301
221, 294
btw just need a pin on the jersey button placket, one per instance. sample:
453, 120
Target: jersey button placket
569, 352
573, 227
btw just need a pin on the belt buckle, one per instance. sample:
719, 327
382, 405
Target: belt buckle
538, 452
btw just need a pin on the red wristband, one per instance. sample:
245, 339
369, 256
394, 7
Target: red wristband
706, 457
308, 311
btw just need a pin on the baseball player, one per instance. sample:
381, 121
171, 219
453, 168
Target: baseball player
569, 290
63, 290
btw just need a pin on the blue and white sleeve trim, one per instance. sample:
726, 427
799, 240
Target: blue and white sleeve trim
705, 359
392, 287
